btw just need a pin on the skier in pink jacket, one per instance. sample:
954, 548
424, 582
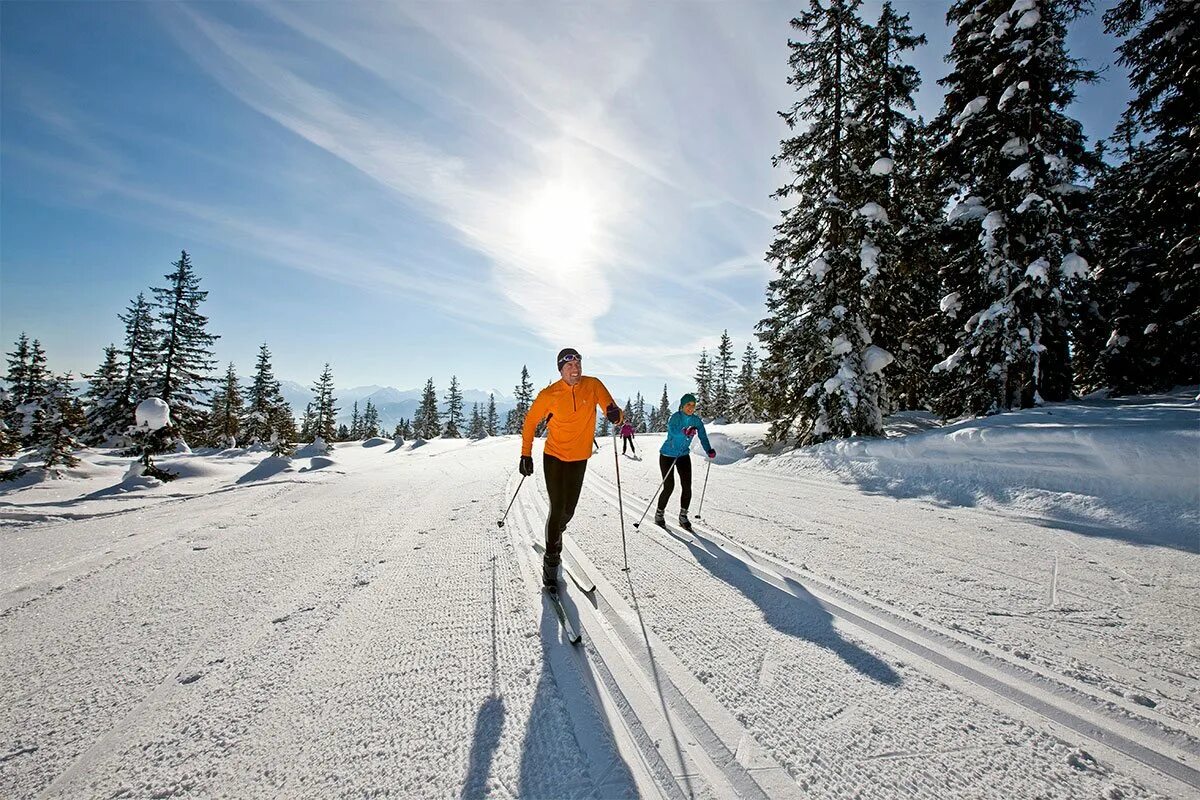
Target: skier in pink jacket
627, 438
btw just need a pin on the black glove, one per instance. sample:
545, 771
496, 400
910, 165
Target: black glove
526, 467
613, 413
712, 453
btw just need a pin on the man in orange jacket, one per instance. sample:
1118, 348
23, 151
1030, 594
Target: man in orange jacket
570, 406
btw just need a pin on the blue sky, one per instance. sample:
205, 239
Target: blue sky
410, 190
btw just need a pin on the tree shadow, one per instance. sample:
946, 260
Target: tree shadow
489, 723
796, 613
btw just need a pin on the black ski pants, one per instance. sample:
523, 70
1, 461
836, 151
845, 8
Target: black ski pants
627, 440
683, 465
564, 481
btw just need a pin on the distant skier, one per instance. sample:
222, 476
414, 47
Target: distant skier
682, 426
569, 405
627, 438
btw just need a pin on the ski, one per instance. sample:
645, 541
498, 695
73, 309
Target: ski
572, 635
577, 576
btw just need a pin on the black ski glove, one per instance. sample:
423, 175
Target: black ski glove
613, 413
526, 467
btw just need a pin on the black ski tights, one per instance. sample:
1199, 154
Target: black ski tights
627, 441
683, 465
564, 481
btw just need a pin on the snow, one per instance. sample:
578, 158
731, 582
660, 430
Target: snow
999, 607
1021, 6
1038, 270
971, 109
875, 358
883, 166
1022, 172
874, 212
1028, 20
950, 304
152, 414
1015, 147
817, 268
1074, 266
840, 346
868, 255
969, 208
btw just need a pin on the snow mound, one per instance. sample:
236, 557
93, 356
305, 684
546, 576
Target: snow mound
1097, 465
314, 448
376, 441
152, 413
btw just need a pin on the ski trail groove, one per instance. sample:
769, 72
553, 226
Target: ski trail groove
1080, 712
683, 701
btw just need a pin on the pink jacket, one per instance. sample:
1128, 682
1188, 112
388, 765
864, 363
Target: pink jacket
627, 430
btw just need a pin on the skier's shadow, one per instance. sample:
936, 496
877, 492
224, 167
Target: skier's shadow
796, 613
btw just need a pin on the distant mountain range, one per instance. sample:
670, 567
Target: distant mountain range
391, 403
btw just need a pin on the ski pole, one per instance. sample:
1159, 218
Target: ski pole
705, 489
656, 491
510, 502
620, 503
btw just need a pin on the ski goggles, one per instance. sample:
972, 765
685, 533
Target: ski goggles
568, 358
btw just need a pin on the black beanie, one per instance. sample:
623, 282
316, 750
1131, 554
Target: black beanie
566, 351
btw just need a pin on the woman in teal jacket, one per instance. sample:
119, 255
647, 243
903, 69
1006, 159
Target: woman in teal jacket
683, 425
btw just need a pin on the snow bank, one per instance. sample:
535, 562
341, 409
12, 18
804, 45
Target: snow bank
1132, 463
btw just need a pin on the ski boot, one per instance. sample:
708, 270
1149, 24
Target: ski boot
659, 519
684, 522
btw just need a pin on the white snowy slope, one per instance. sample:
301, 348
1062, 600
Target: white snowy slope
1000, 608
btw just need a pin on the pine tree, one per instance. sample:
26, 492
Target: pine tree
744, 400
18, 371
262, 402
664, 411
370, 421
185, 355
57, 422
355, 424
29, 383
722, 377
325, 424
639, 415
283, 425
898, 287
1148, 283
398, 431
226, 412
427, 423
139, 358
819, 369
704, 387
477, 429
629, 412
492, 420
343, 433
523, 394
8, 441
1017, 233
308, 424
104, 390
454, 410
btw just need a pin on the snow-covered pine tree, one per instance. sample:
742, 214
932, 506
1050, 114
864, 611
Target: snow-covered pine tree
602, 428
1011, 158
355, 424
630, 415
370, 421
406, 428
283, 425
29, 382
477, 429
325, 424
1149, 276
398, 431
722, 377
427, 423
704, 384
743, 401
664, 411
308, 425
104, 390
454, 410
639, 412
185, 357
523, 394
8, 442
226, 411
262, 401
895, 254
819, 373
57, 422
343, 433
492, 420
138, 355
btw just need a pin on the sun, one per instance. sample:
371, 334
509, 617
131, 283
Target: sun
558, 225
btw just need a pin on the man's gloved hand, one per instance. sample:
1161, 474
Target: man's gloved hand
690, 430
613, 412
526, 467
712, 453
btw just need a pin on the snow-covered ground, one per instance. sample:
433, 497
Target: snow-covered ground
997, 608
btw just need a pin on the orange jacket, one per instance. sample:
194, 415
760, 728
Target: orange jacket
572, 412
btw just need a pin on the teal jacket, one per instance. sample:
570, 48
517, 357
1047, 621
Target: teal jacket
677, 443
